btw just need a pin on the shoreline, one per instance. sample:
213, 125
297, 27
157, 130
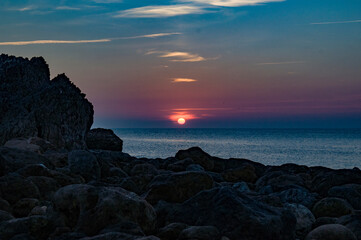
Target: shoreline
180, 197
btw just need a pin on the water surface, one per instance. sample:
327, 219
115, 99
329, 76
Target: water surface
334, 148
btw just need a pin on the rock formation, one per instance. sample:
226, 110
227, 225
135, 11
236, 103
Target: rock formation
33, 106
105, 139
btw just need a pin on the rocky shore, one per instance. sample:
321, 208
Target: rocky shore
59, 180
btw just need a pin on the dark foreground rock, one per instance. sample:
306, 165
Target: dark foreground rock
105, 139
33, 106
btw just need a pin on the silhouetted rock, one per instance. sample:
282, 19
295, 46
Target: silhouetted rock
332, 207
331, 232
198, 156
352, 222
200, 233
90, 209
171, 231
33, 106
178, 187
350, 192
234, 214
85, 164
304, 217
105, 139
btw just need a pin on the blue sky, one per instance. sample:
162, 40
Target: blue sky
224, 63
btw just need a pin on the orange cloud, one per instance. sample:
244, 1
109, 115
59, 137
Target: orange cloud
184, 80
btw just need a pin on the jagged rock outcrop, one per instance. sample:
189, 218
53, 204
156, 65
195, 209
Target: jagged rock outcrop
32, 105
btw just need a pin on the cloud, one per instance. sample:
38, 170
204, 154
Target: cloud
179, 56
340, 22
21, 43
107, 1
183, 80
280, 63
67, 8
155, 35
23, 9
51, 42
160, 11
202, 109
232, 3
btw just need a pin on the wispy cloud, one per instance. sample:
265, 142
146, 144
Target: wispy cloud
202, 109
20, 43
22, 9
232, 3
183, 80
280, 63
178, 56
160, 11
155, 35
67, 8
340, 22
51, 42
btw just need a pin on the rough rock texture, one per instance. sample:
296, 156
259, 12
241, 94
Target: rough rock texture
331, 232
332, 207
178, 187
33, 106
105, 139
82, 204
234, 214
85, 164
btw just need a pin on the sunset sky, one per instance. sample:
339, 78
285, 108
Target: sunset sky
215, 63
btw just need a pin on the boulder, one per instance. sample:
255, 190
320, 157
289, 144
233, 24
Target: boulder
90, 209
38, 227
5, 216
198, 156
245, 173
171, 231
352, 222
178, 187
15, 187
110, 236
5, 206
34, 106
249, 219
298, 196
194, 168
22, 144
324, 220
12, 160
331, 232
279, 181
304, 217
200, 233
24, 206
324, 179
241, 187
332, 207
181, 165
144, 169
350, 192
105, 139
85, 164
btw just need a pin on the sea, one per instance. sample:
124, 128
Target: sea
333, 148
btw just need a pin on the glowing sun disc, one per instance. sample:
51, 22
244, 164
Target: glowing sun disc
181, 121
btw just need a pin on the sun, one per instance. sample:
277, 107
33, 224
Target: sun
181, 121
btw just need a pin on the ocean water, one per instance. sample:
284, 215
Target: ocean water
333, 148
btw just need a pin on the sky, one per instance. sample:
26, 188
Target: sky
215, 63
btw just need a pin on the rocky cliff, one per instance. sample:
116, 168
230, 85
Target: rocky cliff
32, 105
